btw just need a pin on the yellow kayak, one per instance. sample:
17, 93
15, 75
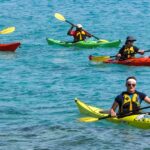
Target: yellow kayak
138, 120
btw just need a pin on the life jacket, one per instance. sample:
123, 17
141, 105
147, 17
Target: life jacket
129, 52
130, 104
80, 36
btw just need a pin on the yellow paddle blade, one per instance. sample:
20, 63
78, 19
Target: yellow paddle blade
7, 30
60, 17
98, 58
88, 119
102, 40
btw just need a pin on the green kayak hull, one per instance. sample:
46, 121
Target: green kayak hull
84, 44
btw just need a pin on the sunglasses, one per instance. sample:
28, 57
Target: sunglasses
131, 84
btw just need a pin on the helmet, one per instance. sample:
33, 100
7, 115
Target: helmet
130, 38
79, 26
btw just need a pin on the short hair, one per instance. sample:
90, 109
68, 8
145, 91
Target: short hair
131, 77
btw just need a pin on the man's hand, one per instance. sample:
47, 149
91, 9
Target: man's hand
113, 113
141, 52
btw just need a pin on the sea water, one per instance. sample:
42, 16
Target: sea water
38, 83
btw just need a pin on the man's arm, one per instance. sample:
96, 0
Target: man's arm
119, 54
147, 99
141, 52
113, 108
69, 31
137, 50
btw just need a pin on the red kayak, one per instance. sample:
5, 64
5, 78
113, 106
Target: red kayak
141, 61
9, 47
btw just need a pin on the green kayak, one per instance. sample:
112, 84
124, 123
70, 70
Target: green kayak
85, 44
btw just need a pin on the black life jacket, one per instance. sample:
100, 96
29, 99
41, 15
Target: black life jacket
80, 36
129, 52
130, 104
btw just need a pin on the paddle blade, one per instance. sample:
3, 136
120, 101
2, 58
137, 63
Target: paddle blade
98, 58
60, 17
88, 119
7, 30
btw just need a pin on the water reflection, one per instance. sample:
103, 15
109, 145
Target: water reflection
7, 55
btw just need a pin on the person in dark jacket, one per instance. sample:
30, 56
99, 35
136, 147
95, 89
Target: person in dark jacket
129, 100
128, 50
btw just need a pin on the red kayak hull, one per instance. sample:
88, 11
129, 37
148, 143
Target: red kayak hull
9, 47
141, 61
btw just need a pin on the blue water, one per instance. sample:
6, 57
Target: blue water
38, 83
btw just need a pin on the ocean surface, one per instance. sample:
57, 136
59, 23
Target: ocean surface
38, 83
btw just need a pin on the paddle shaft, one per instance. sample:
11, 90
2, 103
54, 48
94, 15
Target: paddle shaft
147, 50
70, 23
124, 115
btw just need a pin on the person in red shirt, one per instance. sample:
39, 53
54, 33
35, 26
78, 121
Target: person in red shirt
79, 34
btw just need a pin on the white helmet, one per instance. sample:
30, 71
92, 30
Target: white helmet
79, 26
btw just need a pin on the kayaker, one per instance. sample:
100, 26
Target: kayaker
130, 99
128, 50
79, 34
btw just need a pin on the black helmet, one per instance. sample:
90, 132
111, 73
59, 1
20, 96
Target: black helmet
130, 38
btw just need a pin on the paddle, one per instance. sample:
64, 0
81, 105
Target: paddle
92, 119
62, 18
103, 58
7, 30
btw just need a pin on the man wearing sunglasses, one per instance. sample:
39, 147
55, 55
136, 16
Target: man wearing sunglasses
129, 100
128, 50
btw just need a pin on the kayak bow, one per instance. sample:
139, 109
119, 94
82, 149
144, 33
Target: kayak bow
9, 47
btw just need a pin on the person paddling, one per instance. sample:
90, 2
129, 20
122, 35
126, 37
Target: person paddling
128, 50
129, 100
79, 34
